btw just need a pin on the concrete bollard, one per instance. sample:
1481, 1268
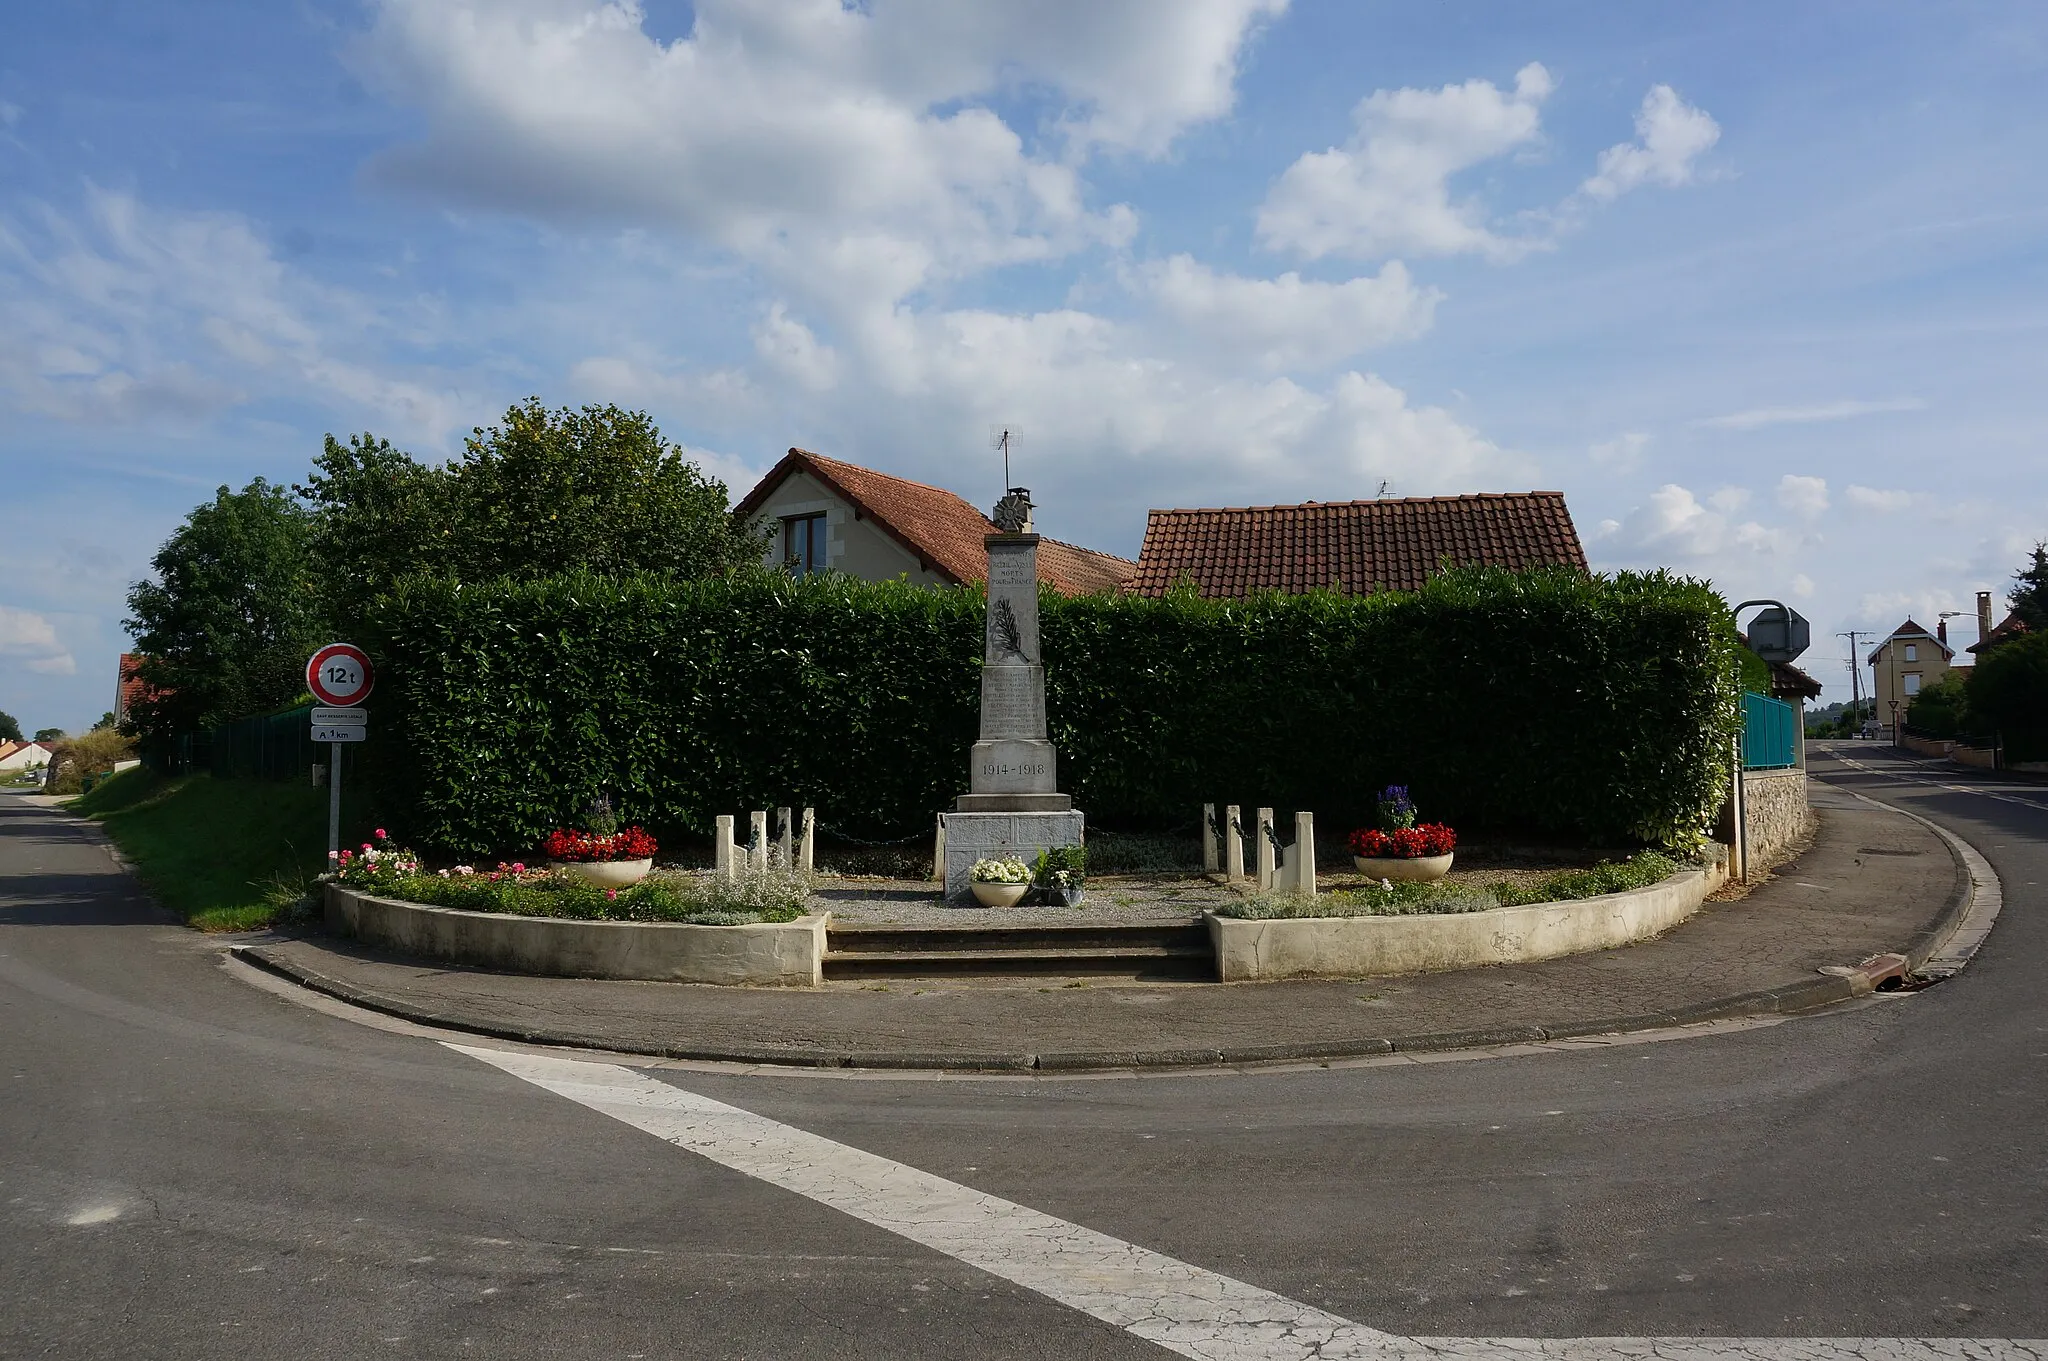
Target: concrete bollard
757, 842
1303, 854
1267, 861
785, 840
1233, 843
939, 851
807, 847
1209, 838
725, 855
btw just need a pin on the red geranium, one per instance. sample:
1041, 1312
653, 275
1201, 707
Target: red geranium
1404, 843
631, 843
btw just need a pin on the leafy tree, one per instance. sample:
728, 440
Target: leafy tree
49, 734
377, 515
2008, 692
10, 731
2029, 594
225, 629
106, 721
544, 492
595, 490
1941, 710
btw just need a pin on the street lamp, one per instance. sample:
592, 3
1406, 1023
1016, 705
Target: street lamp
1895, 723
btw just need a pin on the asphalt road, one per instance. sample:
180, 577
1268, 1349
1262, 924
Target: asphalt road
193, 1166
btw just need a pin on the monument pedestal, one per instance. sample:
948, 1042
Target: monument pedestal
1013, 806
995, 836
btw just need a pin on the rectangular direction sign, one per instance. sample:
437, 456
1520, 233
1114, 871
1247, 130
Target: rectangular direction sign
322, 717
339, 732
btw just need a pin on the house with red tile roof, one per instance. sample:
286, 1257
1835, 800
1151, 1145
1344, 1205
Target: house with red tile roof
824, 513
22, 756
128, 686
1390, 544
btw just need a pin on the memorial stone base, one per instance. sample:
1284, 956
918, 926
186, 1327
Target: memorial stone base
991, 836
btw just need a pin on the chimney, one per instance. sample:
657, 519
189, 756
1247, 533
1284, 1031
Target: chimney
1983, 615
1941, 632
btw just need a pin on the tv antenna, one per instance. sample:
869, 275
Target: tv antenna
1386, 489
1004, 438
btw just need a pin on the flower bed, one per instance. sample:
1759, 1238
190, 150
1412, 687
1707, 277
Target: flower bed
1444, 896
523, 890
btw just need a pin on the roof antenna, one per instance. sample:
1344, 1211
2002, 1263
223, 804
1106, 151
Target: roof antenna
1386, 489
1003, 437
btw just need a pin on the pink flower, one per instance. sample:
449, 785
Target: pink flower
611, 895
382, 834
519, 867
334, 855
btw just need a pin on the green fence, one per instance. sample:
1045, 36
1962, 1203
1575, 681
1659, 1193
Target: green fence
1770, 733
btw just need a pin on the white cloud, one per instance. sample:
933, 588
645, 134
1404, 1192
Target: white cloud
1728, 500
1286, 321
1670, 136
1673, 527
1806, 497
1387, 190
1107, 417
1623, 453
31, 640
1802, 586
849, 148
1872, 498
1805, 415
135, 315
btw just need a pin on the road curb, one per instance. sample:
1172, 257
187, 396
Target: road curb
1787, 1000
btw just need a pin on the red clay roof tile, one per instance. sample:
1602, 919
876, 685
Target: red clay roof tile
938, 527
1354, 546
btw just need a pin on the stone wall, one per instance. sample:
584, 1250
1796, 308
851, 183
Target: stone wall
1777, 814
1926, 746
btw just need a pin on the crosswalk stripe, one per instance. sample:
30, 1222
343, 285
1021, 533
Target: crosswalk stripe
1181, 1307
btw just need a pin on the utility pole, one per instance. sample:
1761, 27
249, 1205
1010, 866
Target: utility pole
1855, 674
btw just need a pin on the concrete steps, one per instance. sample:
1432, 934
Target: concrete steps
1158, 950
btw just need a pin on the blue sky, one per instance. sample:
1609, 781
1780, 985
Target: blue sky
1762, 289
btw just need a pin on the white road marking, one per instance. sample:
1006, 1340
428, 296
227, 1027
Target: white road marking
1978, 790
1183, 1308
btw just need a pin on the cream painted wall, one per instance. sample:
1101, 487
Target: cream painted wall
1889, 669
854, 546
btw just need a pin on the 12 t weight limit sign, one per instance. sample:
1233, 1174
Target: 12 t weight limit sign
340, 674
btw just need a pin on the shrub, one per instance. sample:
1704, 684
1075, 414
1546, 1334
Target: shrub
2008, 695
1638, 871
1553, 701
1383, 900
755, 896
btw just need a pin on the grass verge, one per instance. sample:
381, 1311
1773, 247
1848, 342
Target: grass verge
226, 855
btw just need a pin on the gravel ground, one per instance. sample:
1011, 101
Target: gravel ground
1177, 897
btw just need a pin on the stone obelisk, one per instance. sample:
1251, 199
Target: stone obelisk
1013, 805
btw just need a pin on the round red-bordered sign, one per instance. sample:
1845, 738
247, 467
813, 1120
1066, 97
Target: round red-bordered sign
340, 674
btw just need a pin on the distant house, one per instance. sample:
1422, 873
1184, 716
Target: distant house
826, 514
128, 686
1353, 546
1788, 682
1903, 665
20, 756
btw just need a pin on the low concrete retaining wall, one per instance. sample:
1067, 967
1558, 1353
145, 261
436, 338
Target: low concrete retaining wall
1926, 746
780, 954
1356, 947
1776, 814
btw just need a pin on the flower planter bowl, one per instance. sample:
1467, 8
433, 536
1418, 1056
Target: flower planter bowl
1413, 869
605, 873
999, 895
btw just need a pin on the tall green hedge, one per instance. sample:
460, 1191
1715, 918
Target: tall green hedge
1549, 701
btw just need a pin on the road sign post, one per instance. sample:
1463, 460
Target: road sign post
340, 677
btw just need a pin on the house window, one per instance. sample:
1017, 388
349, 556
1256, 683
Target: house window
803, 544
1912, 683
1912, 652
